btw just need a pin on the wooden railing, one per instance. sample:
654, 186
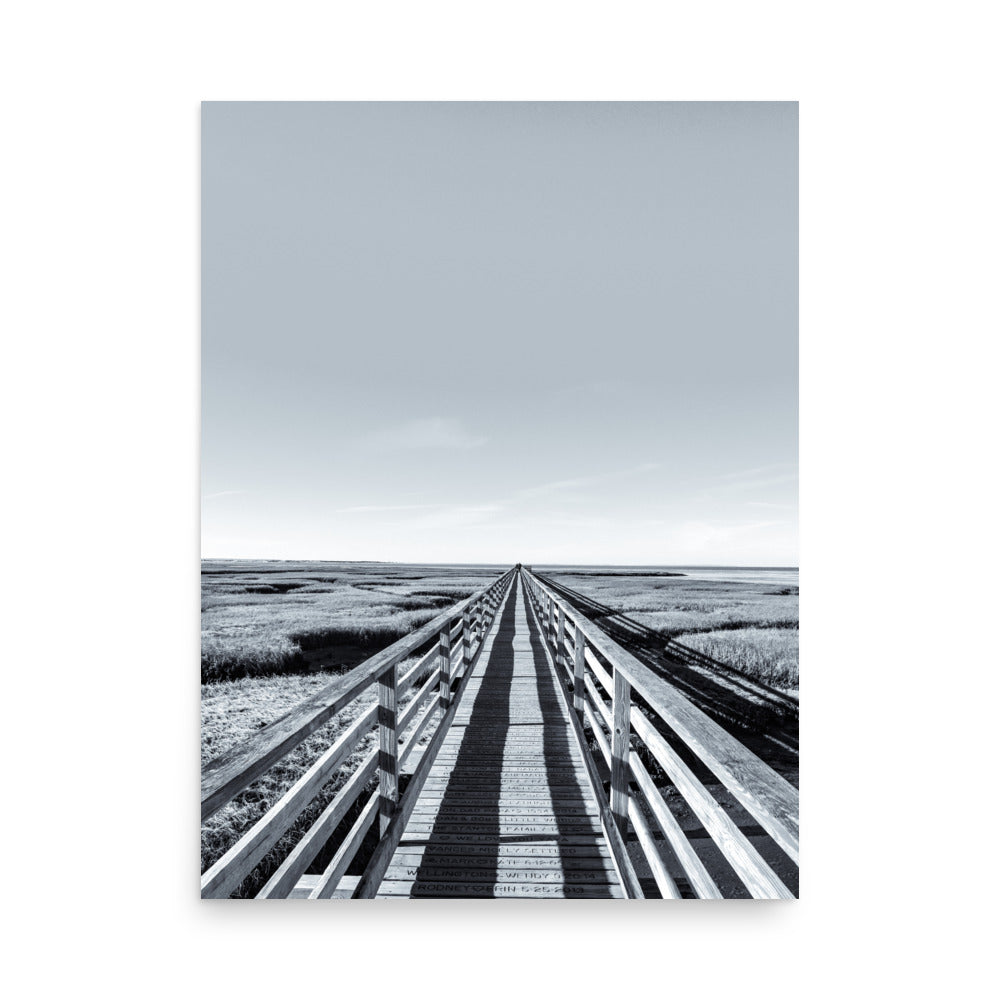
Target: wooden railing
460, 634
596, 668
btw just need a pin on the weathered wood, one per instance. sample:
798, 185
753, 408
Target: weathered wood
413, 706
752, 869
697, 874
463, 873
599, 703
388, 748
666, 885
414, 673
620, 707
565, 841
507, 890
557, 644
281, 883
466, 640
306, 883
328, 882
579, 664
444, 668
517, 858
595, 727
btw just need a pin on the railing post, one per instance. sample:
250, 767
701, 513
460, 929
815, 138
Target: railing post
444, 665
621, 705
579, 662
560, 649
466, 640
388, 749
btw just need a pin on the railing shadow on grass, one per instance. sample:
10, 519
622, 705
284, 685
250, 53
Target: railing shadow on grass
766, 721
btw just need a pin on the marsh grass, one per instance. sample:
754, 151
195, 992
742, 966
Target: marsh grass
749, 626
770, 656
259, 618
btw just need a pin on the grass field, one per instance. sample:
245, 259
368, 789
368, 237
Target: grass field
747, 620
262, 618
766, 654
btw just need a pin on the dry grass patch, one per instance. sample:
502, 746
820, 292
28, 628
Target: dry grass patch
770, 656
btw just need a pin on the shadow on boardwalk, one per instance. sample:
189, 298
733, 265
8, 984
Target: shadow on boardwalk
502, 739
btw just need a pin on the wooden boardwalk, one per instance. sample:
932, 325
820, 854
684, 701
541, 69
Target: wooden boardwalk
507, 809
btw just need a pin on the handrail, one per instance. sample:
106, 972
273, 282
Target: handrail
233, 771
767, 796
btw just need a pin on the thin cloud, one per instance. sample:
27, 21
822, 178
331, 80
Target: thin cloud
555, 486
371, 507
758, 478
429, 432
753, 473
544, 489
222, 493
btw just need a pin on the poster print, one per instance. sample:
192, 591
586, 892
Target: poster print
499, 479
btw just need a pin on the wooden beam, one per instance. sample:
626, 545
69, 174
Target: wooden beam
666, 885
697, 874
621, 705
466, 640
444, 668
753, 870
281, 883
388, 748
579, 665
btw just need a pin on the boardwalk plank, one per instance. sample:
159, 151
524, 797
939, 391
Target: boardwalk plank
506, 890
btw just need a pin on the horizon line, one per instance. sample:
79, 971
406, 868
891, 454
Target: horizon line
455, 562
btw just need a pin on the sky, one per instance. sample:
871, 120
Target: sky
500, 332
